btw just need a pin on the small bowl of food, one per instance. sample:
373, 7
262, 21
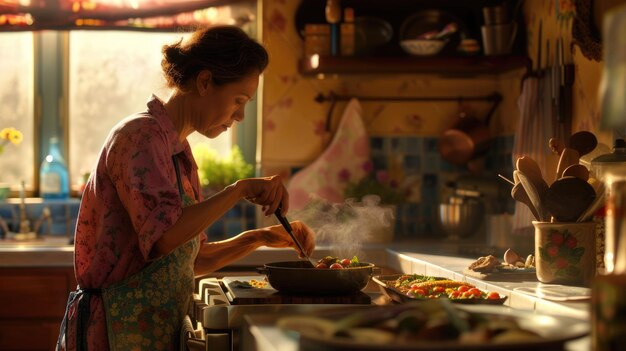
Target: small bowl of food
422, 47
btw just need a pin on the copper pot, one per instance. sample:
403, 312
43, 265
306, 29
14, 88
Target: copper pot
468, 138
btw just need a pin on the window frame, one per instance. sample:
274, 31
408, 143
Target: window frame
51, 75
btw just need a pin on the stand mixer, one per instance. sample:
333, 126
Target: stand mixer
463, 214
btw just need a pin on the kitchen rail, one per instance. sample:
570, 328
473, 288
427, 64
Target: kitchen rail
333, 97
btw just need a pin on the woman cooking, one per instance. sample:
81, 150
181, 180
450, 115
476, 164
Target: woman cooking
139, 238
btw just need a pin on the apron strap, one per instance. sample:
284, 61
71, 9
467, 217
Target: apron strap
180, 183
82, 318
83, 311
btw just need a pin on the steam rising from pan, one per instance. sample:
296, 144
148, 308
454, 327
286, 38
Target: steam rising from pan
346, 226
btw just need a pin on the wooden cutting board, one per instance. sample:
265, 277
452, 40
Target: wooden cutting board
239, 295
525, 275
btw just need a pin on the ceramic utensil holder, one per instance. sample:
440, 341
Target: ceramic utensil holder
565, 253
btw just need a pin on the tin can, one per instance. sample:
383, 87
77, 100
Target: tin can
316, 40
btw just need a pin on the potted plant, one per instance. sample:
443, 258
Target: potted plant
216, 172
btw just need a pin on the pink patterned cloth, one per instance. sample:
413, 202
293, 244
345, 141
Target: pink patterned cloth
130, 200
347, 158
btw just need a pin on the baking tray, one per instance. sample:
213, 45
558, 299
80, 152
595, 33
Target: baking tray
397, 295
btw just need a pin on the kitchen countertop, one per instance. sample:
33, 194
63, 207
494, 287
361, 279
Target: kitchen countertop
408, 257
267, 337
54, 251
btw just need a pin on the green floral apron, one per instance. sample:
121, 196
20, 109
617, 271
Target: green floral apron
146, 310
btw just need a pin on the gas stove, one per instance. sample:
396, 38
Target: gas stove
221, 304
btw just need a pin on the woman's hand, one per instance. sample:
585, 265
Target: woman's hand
269, 192
277, 236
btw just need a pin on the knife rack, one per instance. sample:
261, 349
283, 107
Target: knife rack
332, 97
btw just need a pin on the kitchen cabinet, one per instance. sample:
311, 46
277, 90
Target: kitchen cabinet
33, 304
379, 30
449, 66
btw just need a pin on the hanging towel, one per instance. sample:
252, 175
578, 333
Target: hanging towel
346, 159
532, 136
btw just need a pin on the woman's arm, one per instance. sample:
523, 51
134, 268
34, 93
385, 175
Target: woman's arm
215, 255
268, 192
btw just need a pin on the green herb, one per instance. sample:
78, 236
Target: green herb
370, 186
217, 172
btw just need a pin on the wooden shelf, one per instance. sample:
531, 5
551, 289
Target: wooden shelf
441, 65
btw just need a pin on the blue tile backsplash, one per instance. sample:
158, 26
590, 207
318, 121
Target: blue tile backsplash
417, 156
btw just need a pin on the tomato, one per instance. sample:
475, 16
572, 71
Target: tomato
418, 291
463, 288
454, 295
321, 265
345, 262
493, 296
468, 295
336, 265
439, 289
475, 291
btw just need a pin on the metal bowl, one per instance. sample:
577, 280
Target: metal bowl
461, 220
422, 47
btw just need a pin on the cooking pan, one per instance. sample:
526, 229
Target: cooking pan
297, 277
468, 138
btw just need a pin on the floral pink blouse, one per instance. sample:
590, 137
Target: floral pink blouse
131, 199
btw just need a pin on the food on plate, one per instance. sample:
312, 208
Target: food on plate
511, 257
330, 262
484, 264
249, 284
427, 287
511, 262
430, 321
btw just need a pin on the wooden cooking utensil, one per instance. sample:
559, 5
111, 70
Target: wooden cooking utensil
568, 157
578, 171
533, 195
568, 197
531, 169
595, 205
556, 146
584, 142
519, 194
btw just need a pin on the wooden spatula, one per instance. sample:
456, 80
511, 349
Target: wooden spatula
568, 198
568, 157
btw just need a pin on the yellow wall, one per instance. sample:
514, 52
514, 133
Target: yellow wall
292, 130
557, 18
293, 133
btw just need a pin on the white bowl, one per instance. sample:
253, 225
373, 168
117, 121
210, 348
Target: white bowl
422, 47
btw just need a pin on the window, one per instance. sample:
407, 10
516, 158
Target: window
16, 106
112, 74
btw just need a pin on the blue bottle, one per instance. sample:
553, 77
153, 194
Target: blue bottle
53, 175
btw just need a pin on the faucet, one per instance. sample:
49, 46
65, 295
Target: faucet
25, 232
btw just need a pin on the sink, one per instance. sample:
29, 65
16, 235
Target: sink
46, 241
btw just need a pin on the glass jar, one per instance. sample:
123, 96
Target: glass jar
316, 40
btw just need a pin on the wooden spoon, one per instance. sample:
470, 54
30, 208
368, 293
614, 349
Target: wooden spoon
568, 198
578, 171
556, 146
533, 195
584, 142
531, 169
568, 157
519, 194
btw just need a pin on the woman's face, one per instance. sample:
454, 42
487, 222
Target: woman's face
221, 106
